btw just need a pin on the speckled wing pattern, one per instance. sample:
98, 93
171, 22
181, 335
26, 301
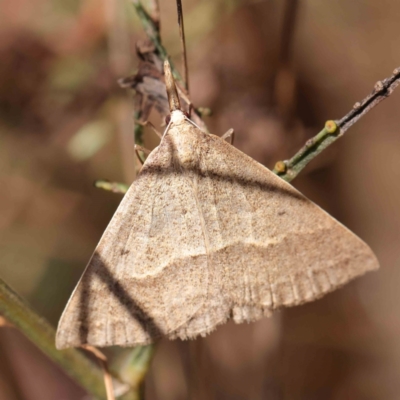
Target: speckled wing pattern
205, 234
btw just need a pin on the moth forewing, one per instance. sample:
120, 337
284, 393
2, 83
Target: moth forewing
205, 234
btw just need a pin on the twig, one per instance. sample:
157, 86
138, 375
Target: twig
183, 44
382, 90
333, 130
39, 331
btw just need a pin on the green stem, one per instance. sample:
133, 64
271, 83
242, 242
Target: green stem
42, 334
333, 130
288, 170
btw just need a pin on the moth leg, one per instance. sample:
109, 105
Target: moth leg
151, 126
229, 134
143, 150
154, 129
102, 359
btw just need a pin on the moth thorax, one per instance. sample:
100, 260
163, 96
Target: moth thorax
177, 117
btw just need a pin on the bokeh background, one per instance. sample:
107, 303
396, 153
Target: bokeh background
64, 122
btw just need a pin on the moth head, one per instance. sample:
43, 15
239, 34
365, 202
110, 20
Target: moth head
176, 117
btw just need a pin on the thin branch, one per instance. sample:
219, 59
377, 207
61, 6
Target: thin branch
183, 44
333, 130
382, 90
39, 331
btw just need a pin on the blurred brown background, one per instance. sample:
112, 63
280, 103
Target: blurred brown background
64, 123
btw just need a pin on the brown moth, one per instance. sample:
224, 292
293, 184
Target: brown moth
205, 234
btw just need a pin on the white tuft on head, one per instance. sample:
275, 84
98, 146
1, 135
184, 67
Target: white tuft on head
177, 117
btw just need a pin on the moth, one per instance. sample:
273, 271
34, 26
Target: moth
205, 234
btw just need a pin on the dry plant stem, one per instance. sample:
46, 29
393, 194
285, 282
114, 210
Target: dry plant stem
151, 27
152, 30
289, 169
183, 44
39, 331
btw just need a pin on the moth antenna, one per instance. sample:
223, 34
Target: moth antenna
183, 44
173, 98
